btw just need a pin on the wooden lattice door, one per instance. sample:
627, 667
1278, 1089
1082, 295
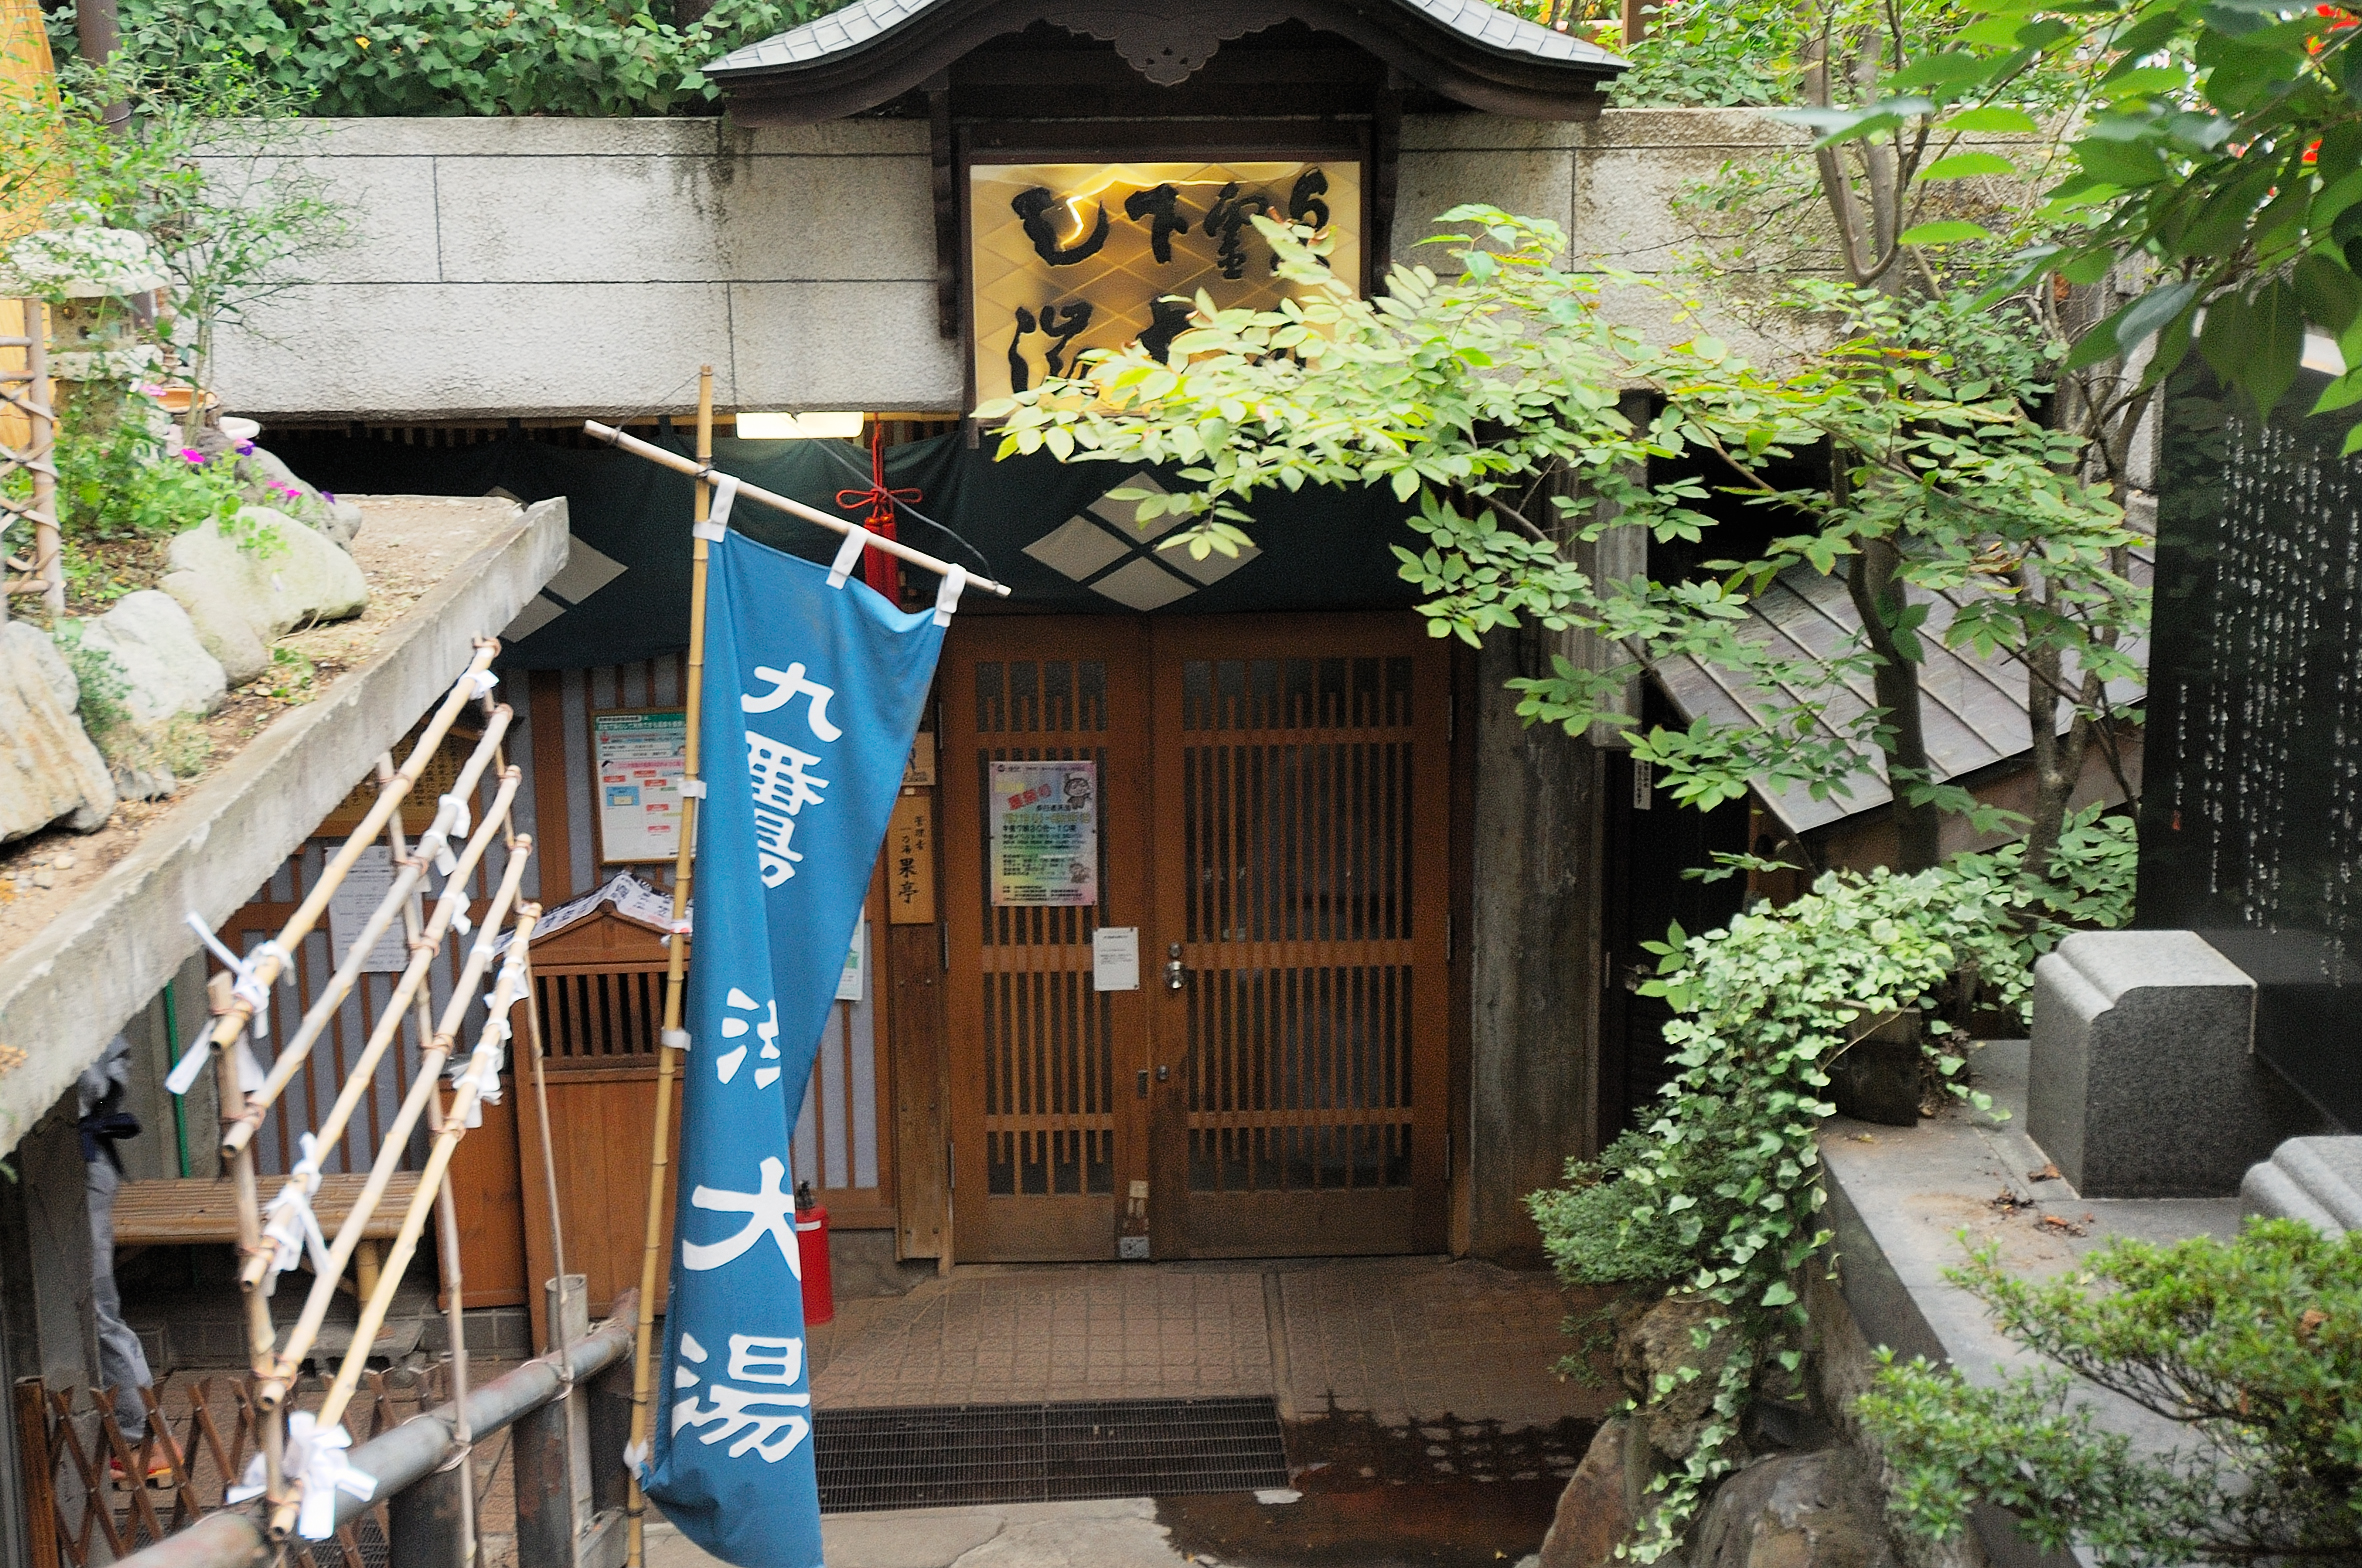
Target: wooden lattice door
1301, 868
1273, 802
1047, 1122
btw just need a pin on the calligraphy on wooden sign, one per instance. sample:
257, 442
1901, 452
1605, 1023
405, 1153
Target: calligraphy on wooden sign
1069, 257
910, 860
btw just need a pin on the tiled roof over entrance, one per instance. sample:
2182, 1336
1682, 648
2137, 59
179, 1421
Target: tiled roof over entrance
871, 52
858, 24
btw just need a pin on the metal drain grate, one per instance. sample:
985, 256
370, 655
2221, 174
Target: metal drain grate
931, 1455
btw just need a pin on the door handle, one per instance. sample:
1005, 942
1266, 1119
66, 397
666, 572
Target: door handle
1173, 971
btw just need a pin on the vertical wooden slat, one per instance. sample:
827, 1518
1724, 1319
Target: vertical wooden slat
546, 699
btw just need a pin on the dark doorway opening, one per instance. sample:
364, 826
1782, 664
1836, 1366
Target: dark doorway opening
1650, 842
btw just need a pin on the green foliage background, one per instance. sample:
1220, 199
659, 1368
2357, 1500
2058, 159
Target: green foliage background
483, 57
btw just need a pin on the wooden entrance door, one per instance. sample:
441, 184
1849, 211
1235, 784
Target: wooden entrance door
1273, 800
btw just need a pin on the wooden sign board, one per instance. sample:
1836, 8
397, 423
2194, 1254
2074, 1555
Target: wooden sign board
1065, 257
910, 860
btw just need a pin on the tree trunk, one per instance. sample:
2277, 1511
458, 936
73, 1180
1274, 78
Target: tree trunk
1879, 598
2058, 759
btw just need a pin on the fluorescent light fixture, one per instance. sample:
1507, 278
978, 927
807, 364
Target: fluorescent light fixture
800, 427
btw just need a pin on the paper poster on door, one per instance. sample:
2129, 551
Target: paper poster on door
351, 905
856, 964
1045, 833
1115, 958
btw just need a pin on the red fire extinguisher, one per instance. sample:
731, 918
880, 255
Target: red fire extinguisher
820, 1301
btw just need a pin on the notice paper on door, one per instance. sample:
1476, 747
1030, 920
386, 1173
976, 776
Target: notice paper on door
1115, 958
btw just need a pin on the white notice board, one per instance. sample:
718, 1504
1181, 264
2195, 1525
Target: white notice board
638, 758
356, 898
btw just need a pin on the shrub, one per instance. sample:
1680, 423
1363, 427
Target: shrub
1719, 1194
1697, 54
2253, 1346
488, 57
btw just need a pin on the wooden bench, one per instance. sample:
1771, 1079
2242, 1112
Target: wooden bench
185, 1213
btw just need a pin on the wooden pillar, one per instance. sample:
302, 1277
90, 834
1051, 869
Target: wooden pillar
39, 1476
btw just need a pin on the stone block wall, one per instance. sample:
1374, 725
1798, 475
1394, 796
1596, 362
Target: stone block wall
555, 267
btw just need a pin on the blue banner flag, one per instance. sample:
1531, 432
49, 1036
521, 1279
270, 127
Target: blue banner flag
812, 692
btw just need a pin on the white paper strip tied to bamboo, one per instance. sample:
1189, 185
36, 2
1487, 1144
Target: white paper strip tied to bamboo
317, 1459
294, 1229
247, 984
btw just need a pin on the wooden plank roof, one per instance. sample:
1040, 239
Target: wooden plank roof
1973, 709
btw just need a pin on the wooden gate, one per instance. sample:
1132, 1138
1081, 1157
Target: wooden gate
1273, 820
600, 984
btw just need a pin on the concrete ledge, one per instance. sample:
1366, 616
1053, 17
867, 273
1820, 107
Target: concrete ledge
2317, 1180
1905, 1205
800, 261
65, 993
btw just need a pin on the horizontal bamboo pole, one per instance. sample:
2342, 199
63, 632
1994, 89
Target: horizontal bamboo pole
794, 508
325, 1007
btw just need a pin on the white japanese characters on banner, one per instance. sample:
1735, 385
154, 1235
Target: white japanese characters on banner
1045, 832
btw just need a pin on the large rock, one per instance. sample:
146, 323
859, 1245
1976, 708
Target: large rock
49, 770
1796, 1511
1602, 1502
168, 671
221, 626
281, 576
166, 677
1654, 1357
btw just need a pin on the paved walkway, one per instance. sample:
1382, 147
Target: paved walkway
1403, 1340
1118, 1533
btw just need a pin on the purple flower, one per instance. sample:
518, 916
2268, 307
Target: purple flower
245, 449
328, 496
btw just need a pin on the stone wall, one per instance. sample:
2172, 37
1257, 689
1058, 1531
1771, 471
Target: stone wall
554, 267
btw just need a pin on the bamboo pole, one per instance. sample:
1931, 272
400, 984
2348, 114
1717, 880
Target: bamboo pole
446, 1210
702, 469
307, 915
331, 1000
361, 1078
49, 550
559, 1340
668, 1052
259, 1334
279, 1378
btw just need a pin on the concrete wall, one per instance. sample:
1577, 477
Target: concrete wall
544, 267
